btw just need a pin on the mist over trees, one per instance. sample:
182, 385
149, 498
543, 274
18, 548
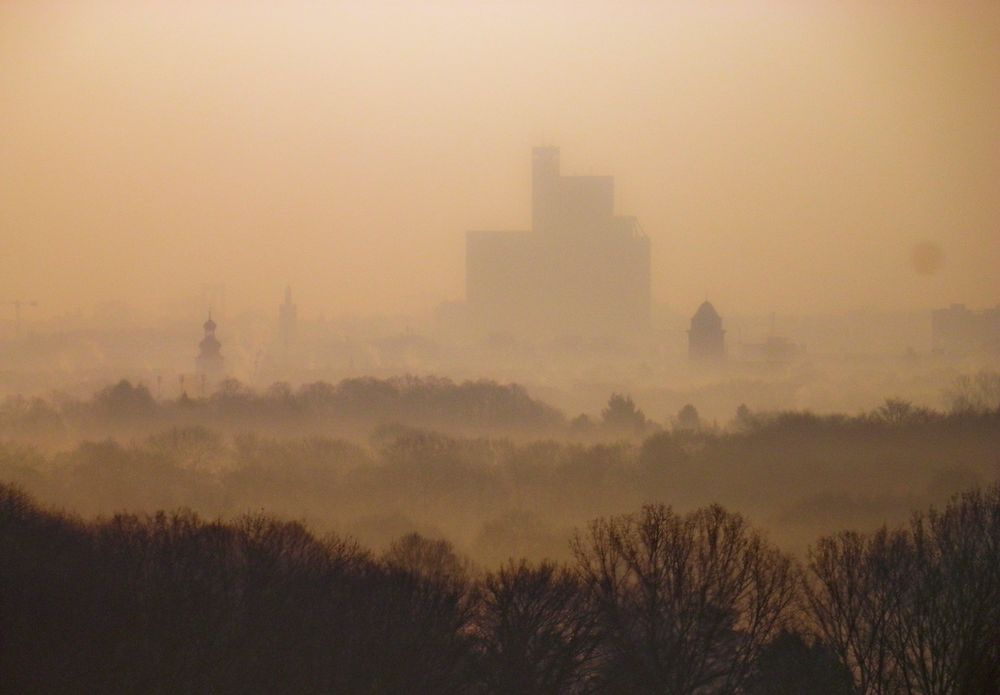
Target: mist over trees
515, 551
499, 348
493, 489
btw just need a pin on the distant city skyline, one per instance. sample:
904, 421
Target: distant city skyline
825, 158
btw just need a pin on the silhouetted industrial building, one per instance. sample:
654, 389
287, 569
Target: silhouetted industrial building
581, 270
959, 329
706, 338
210, 362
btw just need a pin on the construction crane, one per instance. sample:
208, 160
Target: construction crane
17, 304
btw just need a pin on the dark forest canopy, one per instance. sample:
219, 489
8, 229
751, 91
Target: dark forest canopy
654, 601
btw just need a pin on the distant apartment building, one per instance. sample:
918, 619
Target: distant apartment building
581, 270
959, 329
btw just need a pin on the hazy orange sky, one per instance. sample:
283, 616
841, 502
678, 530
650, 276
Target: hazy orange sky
783, 156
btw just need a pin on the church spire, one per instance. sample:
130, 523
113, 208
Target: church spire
210, 360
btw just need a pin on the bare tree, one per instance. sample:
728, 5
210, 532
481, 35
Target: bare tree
915, 610
686, 603
852, 592
434, 560
976, 393
897, 412
947, 634
535, 631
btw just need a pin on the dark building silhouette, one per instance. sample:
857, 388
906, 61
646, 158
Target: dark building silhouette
210, 362
581, 270
959, 329
706, 338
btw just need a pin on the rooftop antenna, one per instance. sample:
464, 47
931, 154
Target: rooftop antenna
214, 294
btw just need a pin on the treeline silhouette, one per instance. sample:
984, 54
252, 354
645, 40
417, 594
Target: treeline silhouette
355, 406
655, 601
348, 406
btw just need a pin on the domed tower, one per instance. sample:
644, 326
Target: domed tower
210, 360
706, 338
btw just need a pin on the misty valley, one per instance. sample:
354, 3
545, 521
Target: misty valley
421, 535
476, 347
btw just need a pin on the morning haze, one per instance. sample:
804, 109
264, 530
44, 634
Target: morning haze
500, 347
780, 157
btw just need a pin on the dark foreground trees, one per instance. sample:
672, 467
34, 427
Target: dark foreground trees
792, 664
658, 602
173, 604
536, 632
915, 610
685, 603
